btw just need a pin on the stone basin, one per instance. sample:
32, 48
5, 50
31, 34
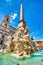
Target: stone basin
17, 56
8, 59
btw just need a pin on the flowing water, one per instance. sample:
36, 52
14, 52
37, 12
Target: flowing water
35, 59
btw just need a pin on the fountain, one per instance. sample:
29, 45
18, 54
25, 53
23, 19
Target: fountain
20, 44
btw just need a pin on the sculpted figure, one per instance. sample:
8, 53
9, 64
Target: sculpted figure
9, 44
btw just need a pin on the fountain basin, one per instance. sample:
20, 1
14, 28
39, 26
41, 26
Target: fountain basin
17, 56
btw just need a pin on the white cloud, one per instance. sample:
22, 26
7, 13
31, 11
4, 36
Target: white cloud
33, 37
11, 21
8, 0
14, 16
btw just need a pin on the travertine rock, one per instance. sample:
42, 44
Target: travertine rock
21, 43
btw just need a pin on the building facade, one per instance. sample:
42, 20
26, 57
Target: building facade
40, 43
6, 30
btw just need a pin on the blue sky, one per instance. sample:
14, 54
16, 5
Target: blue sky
33, 15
